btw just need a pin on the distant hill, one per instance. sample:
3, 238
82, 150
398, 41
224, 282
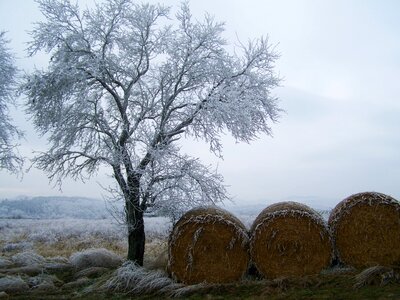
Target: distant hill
53, 208
87, 208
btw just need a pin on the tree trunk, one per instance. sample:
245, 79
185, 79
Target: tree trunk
136, 235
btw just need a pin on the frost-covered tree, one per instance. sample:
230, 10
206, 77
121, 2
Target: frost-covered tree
125, 82
10, 160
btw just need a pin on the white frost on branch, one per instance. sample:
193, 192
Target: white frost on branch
10, 159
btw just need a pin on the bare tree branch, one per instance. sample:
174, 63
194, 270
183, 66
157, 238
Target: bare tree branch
121, 90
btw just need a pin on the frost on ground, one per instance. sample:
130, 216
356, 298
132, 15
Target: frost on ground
131, 278
95, 258
25, 259
33, 253
135, 280
13, 284
5, 263
47, 248
62, 237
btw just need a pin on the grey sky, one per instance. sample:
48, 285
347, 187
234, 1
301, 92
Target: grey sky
340, 134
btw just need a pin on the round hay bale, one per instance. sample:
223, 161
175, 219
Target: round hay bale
366, 230
290, 239
208, 244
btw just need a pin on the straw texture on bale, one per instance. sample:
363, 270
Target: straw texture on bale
208, 244
290, 239
366, 230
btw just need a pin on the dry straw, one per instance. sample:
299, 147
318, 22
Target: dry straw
290, 239
208, 244
366, 230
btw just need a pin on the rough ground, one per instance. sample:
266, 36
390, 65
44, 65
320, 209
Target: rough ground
49, 260
29, 276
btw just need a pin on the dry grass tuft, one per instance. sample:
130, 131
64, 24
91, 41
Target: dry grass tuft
26, 259
133, 279
377, 275
13, 284
95, 258
66, 247
156, 255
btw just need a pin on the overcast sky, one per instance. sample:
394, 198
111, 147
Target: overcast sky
340, 135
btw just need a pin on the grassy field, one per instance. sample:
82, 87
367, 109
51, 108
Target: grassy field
48, 243
317, 287
62, 237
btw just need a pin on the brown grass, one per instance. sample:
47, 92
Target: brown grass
290, 239
155, 256
208, 245
366, 230
371, 276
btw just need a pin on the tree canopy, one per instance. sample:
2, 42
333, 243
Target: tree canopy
125, 83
